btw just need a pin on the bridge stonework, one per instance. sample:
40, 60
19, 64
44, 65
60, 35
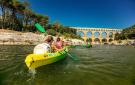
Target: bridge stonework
100, 31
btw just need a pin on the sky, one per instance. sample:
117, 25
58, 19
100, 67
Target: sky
88, 13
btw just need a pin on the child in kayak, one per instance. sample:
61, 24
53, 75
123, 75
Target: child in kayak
59, 44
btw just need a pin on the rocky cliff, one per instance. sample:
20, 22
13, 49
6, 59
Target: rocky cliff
19, 38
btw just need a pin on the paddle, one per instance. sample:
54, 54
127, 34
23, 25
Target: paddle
41, 29
75, 58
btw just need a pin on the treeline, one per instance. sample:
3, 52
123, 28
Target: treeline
17, 15
127, 33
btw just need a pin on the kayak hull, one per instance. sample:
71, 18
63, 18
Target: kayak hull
87, 46
36, 60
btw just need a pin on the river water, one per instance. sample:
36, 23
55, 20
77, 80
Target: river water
100, 65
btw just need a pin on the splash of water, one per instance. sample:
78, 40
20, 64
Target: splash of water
32, 72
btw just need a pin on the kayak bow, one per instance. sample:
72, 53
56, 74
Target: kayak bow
36, 60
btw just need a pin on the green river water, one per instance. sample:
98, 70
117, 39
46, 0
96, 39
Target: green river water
100, 65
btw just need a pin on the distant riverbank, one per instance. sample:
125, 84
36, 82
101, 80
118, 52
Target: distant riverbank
8, 37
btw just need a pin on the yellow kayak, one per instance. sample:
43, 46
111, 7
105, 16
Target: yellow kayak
36, 60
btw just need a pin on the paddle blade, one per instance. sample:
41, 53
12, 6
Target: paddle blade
73, 57
39, 27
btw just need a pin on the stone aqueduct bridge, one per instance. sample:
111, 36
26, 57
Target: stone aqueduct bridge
100, 32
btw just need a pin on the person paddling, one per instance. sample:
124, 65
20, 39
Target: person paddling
44, 47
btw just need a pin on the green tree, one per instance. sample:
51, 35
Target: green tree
56, 26
51, 32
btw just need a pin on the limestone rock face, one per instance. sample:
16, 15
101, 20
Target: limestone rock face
21, 38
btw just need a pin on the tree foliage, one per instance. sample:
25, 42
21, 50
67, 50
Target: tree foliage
127, 33
17, 15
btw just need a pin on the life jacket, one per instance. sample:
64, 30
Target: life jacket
42, 48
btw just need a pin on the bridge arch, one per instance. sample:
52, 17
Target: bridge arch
96, 34
110, 34
104, 40
89, 34
104, 35
97, 40
100, 33
89, 40
110, 40
80, 33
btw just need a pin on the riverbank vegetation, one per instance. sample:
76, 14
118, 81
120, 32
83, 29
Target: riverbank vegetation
17, 15
127, 33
